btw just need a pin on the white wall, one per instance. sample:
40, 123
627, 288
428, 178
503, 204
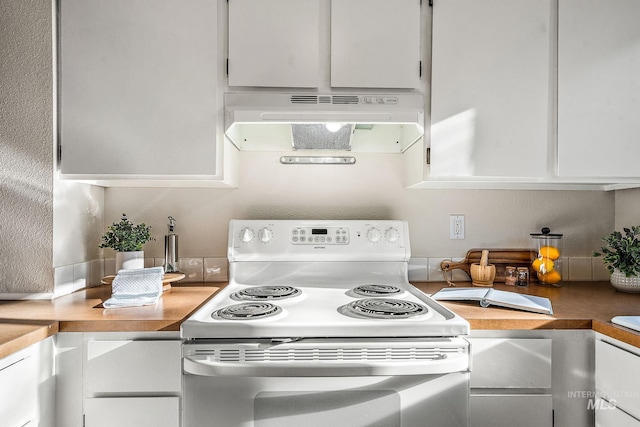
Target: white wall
372, 188
627, 208
26, 147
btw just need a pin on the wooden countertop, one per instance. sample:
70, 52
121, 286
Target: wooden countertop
18, 334
25, 322
576, 305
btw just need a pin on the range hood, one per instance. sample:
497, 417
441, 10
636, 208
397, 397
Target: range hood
264, 121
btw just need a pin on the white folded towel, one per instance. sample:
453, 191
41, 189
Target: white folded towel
133, 288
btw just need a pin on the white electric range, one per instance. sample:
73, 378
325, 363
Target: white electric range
323, 310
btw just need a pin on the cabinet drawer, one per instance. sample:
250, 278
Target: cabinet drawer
510, 363
132, 412
498, 410
618, 376
133, 366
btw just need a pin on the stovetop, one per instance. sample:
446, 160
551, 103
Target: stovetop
322, 311
352, 284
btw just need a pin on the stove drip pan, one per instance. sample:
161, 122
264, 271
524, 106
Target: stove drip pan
247, 311
262, 293
383, 308
376, 291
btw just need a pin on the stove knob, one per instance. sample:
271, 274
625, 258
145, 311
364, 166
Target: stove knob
265, 235
374, 235
392, 235
246, 235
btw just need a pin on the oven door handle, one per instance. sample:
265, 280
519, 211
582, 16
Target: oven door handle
440, 364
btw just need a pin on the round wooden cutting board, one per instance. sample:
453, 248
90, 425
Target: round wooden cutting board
166, 280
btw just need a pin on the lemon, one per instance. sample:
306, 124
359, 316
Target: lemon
542, 265
551, 277
550, 252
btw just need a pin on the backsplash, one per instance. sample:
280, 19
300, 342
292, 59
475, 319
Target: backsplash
573, 269
70, 278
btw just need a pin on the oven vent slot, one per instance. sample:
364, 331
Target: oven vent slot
304, 99
229, 355
329, 354
346, 99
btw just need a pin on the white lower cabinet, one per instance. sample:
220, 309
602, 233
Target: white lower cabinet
511, 382
132, 411
617, 377
119, 379
531, 378
132, 366
26, 386
509, 410
17, 391
608, 415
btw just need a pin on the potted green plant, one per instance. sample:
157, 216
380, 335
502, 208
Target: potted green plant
127, 239
621, 255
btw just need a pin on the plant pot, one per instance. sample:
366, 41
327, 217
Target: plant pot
623, 283
129, 260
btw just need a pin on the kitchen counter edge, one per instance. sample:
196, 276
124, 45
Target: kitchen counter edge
26, 322
577, 305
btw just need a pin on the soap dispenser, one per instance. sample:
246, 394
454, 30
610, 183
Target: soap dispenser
171, 249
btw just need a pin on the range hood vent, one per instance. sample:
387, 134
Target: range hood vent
385, 123
325, 99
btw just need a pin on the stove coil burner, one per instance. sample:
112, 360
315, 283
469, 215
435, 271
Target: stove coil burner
247, 311
385, 308
376, 290
262, 293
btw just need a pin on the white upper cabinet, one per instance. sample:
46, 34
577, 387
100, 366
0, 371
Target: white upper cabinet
490, 100
599, 88
375, 43
274, 43
324, 43
138, 89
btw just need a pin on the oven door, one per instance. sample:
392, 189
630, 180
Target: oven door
364, 384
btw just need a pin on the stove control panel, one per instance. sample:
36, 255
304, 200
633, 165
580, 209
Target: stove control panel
318, 240
319, 235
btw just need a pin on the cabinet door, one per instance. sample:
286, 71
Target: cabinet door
617, 377
598, 88
132, 412
18, 389
510, 410
274, 43
133, 366
490, 88
511, 363
607, 415
137, 91
375, 43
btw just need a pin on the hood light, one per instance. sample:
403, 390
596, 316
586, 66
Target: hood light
333, 126
317, 160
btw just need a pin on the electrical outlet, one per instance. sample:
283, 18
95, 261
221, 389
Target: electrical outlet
456, 227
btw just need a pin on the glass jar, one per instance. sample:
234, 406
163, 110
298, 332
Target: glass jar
547, 252
510, 275
523, 276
